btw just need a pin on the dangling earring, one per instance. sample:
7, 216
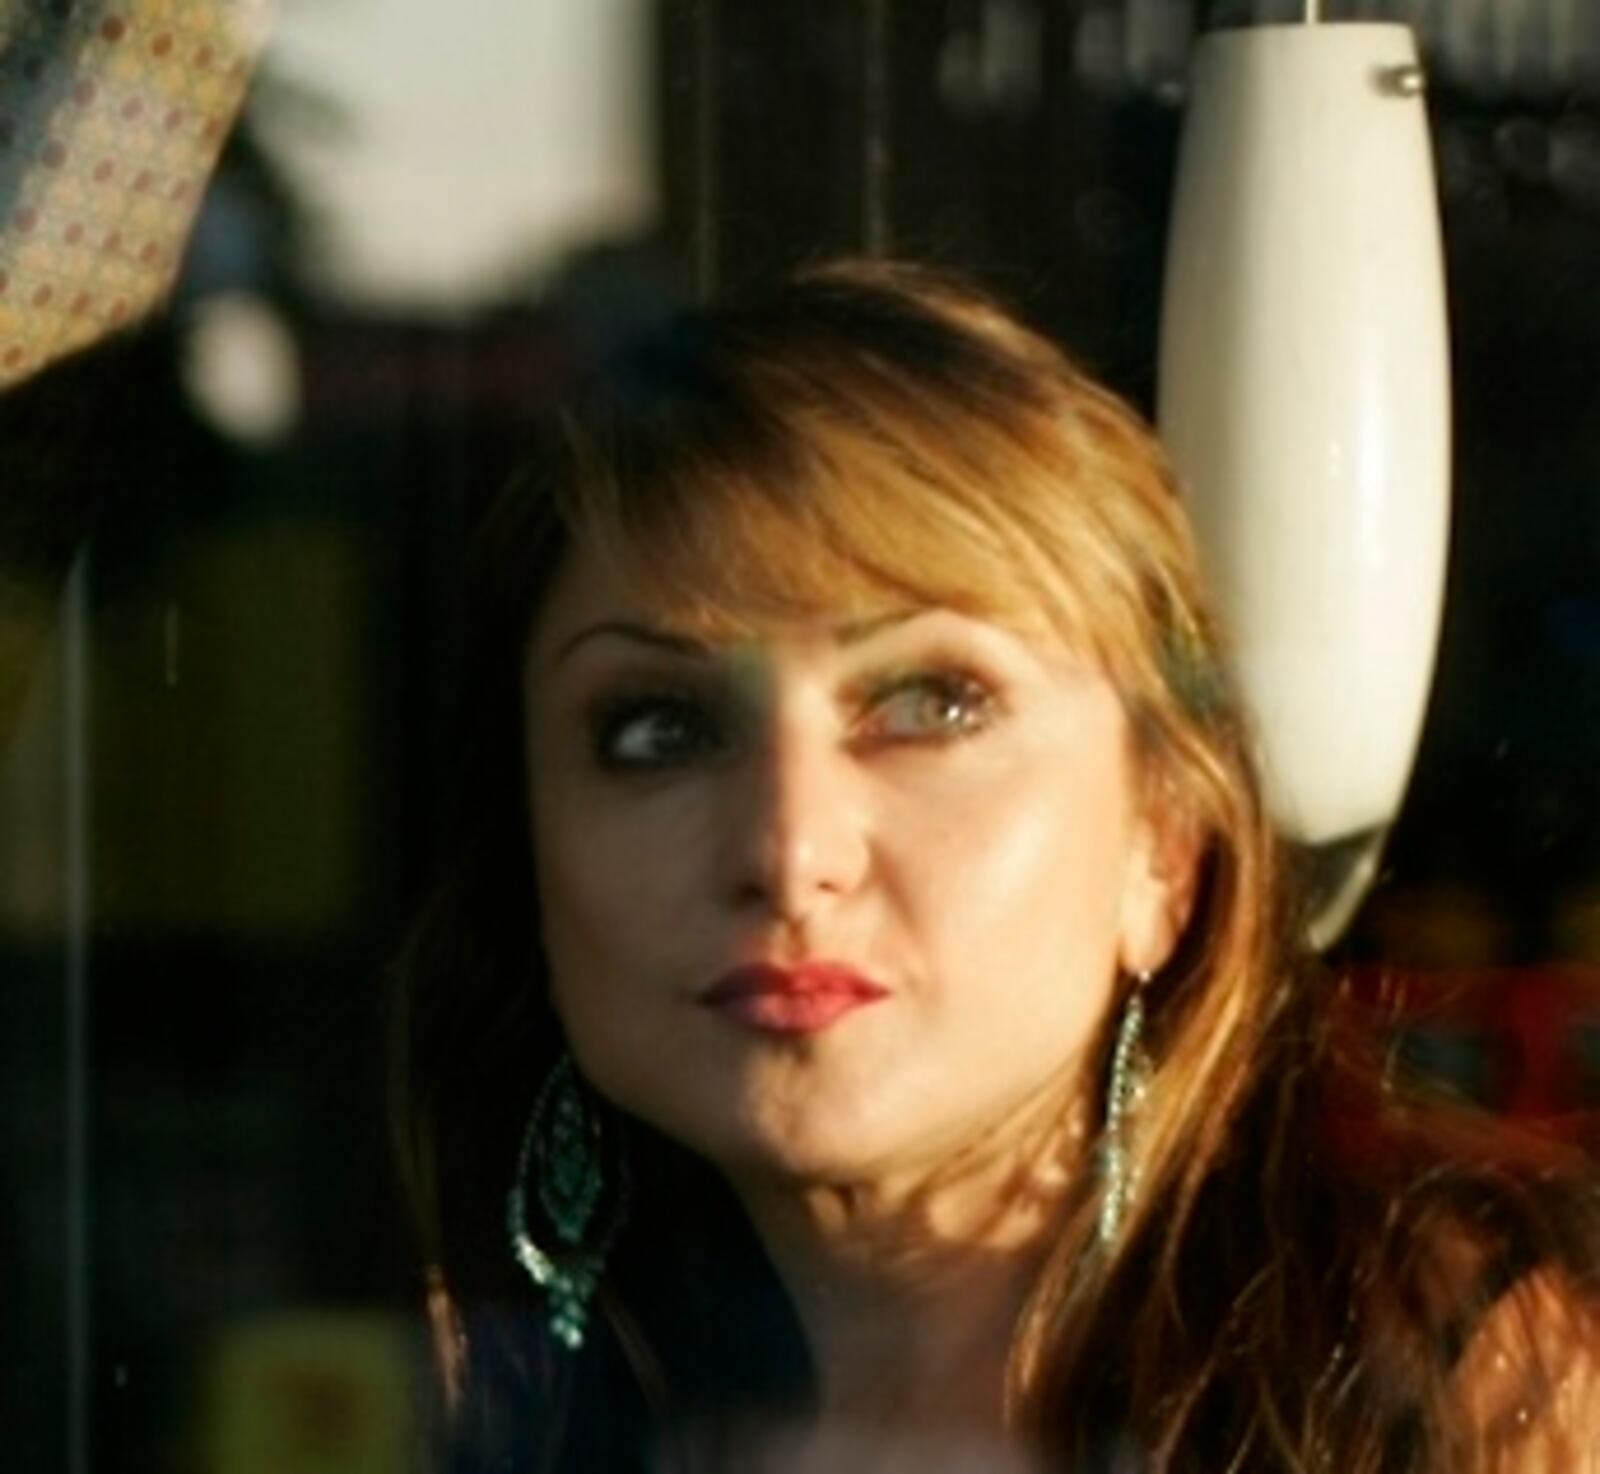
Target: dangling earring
565, 1146
1130, 1074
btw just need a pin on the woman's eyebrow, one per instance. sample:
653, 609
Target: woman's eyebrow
644, 634
858, 631
854, 632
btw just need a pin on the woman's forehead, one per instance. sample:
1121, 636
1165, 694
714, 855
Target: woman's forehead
591, 625
592, 591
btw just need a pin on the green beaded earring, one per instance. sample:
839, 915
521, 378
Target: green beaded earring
565, 1146
1125, 1091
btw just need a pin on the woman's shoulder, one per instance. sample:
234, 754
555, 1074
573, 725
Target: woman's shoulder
1471, 1247
1527, 1381
1492, 1274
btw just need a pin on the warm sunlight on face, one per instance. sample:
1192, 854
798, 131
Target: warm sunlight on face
924, 826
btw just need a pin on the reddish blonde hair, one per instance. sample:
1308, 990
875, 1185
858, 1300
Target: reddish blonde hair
873, 432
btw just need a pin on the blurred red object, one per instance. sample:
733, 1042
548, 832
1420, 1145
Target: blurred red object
1521, 1044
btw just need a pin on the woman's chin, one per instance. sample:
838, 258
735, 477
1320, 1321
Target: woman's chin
804, 1147
798, 1164
827, 1149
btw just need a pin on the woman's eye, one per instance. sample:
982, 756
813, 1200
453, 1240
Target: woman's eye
930, 705
654, 732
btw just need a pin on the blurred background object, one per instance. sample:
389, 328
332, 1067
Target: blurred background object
1305, 400
111, 117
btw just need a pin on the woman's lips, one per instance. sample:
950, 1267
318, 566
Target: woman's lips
804, 999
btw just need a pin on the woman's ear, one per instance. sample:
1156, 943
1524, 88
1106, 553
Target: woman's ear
1162, 877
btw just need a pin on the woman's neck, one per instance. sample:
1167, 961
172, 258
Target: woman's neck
909, 1288
927, 1348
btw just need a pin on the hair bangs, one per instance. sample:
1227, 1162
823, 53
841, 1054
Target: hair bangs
739, 522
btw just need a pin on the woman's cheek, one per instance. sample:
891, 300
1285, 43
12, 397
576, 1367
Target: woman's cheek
613, 880
1034, 855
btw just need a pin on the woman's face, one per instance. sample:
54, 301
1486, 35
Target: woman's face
831, 903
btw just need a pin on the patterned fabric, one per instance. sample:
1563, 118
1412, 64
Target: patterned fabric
112, 113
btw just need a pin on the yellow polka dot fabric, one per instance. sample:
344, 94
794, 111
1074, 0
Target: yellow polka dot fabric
111, 118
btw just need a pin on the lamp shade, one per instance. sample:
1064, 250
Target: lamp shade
1304, 396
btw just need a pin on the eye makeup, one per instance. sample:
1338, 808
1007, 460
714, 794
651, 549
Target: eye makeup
655, 725
935, 679
646, 724
932, 702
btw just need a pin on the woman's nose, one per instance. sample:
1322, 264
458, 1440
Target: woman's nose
800, 826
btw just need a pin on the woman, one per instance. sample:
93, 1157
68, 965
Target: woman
884, 1002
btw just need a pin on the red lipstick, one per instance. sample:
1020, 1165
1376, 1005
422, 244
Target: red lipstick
804, 999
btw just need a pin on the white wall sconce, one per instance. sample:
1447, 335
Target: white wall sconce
1304, 395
